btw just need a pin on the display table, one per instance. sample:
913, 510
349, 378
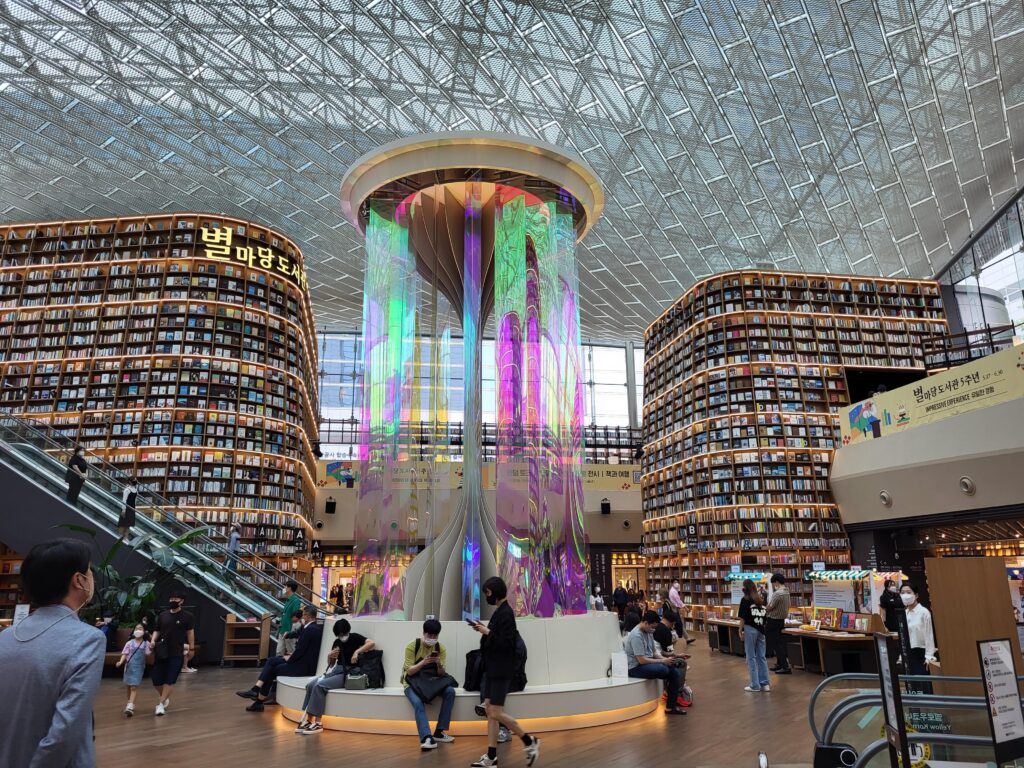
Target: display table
724, 635
832, 653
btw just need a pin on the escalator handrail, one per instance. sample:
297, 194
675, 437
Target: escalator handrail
858, 701
198, 576
874, 677
113, 473
872, 749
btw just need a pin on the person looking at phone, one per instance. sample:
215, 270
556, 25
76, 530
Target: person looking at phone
423, 653
498, 649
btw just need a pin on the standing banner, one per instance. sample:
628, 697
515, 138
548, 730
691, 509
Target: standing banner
999, 675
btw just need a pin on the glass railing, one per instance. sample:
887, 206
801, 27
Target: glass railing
249, 566
30, 452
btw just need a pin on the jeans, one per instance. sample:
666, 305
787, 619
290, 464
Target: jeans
315, 702
661, 672
444, 720
777, 642
754, 645
231, 564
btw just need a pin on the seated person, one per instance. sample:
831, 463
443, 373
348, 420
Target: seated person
290, 638
666, 642
647, 663
302, 663
345, 653
420, 653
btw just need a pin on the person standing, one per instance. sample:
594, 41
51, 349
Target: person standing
919, 627
681, 610
127, 519
619, 598
498, 650
752, 612
174, 641
52, 663
596, 601
234, 542
75, 476
775, 622
133, 659
427, 651
891, 605
291, 605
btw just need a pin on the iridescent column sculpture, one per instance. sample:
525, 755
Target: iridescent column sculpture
458, 225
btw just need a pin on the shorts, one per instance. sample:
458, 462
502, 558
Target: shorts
495, 690
166, 671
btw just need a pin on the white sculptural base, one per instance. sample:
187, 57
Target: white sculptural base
568, 667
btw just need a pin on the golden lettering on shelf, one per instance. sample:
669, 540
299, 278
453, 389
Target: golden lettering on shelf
218, 246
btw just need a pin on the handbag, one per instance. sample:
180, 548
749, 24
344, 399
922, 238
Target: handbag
356, 681
428, 685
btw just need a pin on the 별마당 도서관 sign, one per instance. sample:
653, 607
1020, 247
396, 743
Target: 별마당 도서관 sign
995, 379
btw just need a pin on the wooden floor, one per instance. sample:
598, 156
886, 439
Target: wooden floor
207, 726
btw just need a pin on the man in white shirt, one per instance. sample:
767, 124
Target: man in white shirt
682, 610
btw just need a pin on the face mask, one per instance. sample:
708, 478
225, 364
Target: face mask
175, 604
894, 588
492, 600
138, 633
675, 586
430, 642
907, 599
343, 639
597, 590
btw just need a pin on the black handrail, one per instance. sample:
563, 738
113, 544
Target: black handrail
169, 512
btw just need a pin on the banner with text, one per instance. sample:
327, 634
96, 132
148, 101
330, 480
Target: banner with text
995, 379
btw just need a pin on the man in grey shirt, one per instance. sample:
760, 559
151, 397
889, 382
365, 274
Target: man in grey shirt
645, 662
52, 663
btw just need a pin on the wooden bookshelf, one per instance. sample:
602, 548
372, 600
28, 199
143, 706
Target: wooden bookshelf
246, 641
743, 379
10, 583
180, 347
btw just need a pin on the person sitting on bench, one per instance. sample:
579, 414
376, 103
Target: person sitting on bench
344, 655
302, 663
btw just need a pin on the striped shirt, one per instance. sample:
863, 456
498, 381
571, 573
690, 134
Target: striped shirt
778, 606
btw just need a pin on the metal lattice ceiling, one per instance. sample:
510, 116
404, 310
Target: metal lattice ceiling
868, 136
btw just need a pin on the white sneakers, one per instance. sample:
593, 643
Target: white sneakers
160, 710
532, 752
485, 762
762, 689
129, 709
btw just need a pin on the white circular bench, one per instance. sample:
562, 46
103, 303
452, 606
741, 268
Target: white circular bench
568, 665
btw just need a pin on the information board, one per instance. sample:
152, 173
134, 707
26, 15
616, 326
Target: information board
999, 674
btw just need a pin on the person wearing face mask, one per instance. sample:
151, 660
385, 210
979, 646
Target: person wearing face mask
919, 627
891, 605
133, 659
426, 652
345, 652
174, 640
52, 663
498, 650
301, 663
596, 601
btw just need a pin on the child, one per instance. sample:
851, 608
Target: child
133, 658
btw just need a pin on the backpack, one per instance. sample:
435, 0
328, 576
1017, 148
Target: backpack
519, 676
371, 664
474, 670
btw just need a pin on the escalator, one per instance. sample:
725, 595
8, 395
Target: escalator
847, 721
32, 503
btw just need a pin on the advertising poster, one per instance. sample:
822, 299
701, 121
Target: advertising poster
835, 594
995, 379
